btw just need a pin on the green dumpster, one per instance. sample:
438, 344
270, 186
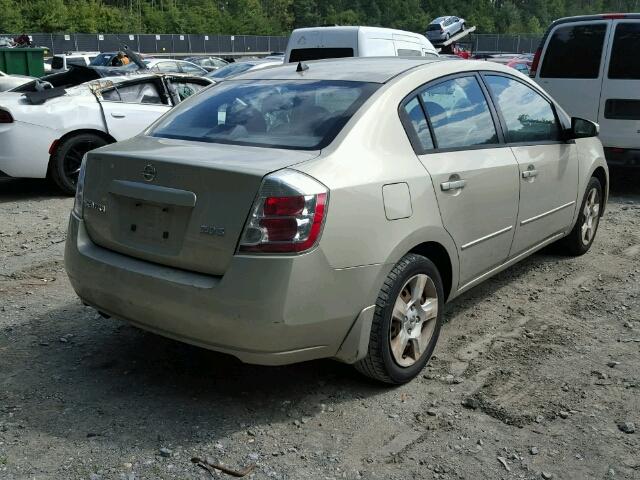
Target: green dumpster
22, 61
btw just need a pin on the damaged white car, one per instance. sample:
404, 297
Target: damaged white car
46, 130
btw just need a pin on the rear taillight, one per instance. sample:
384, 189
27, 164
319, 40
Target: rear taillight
287, 216
5, 117
535, 63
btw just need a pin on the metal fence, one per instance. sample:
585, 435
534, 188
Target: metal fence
167, 44
160, 44
493, 43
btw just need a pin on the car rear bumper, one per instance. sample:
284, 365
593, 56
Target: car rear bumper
24, 149
264, 310
622, 157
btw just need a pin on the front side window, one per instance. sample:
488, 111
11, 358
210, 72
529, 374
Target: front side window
459, 114
303, 114
146, 93
189, 68
574, 52
528, 116
420, 128
624, 64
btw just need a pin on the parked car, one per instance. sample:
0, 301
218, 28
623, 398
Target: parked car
7, 82
522, 63
237, 68
332, 213
442, 29
62, 62
108, 59
317, 43
169, 65
45, 133
210, 64
589, 64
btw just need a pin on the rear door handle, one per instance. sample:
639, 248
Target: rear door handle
455, 185
118, 115
529, 174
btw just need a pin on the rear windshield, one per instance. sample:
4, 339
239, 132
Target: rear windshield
303, 114
232, 69
304, 54
433, 27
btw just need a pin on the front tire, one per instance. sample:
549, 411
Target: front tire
406, 323
579, 241
65, 162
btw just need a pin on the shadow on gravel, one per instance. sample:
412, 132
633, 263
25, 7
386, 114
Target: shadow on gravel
110, 382
625, 182
16, 189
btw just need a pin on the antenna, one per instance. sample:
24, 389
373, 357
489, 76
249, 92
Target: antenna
302, 67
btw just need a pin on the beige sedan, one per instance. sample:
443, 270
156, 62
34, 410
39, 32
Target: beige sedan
331, 209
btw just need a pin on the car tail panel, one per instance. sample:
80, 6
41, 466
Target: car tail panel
176, 203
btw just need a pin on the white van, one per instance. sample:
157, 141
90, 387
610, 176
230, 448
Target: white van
590, 65
317, 43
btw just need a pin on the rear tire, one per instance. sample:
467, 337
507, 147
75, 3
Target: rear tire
406, 323
65, 162
579, 241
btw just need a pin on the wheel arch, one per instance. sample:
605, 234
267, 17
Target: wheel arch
56, 143
439, 255
601, 174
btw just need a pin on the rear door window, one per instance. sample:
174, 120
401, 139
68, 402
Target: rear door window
624, 64
459, 114
574, 51
528, 116
419, 131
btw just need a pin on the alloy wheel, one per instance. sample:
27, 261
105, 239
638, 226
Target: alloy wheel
413, 320
73, 159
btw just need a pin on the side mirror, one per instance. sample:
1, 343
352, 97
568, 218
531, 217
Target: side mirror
581, 128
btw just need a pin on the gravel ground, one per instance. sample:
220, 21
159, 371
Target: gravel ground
536, 373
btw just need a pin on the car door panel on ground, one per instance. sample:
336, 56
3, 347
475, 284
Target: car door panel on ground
548, 166
619, 114
572, 66
477, 194
130, 108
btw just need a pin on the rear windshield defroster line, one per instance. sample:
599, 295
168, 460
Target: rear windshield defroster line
290, 114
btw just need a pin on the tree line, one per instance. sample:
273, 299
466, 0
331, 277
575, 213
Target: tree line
279, 17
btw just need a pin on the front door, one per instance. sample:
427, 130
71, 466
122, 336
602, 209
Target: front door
548, 166
130, 108
475, 177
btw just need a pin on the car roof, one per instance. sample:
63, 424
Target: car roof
355, 28
440, 19
357, 69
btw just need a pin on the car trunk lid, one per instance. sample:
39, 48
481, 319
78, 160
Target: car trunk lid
174, 202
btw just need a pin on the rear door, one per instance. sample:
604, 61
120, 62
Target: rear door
131, 107
548, 166
572, 65
474, 175
619, 116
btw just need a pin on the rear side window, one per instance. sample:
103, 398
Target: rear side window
137, 93
303, 114
528, 116
459, 114
76, 61
624, 63
405, 52
574, 52
304, 54
419, 127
